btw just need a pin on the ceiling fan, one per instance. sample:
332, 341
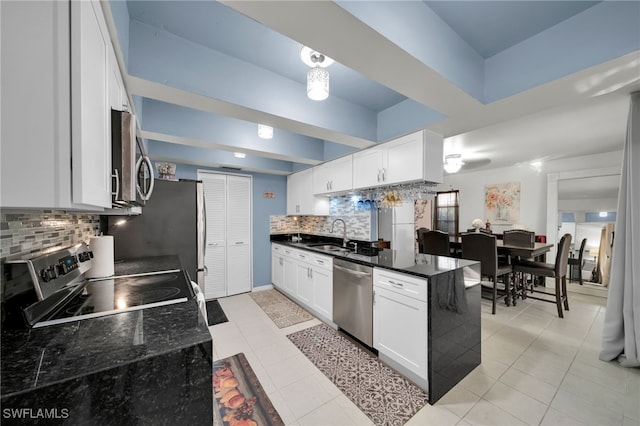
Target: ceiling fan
453, 163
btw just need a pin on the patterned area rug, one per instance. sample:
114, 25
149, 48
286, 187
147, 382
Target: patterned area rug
382, 394
239, 399
282, 311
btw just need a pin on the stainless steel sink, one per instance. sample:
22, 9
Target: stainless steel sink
330, 248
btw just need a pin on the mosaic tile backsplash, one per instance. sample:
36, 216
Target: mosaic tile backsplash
27, 233
359, 222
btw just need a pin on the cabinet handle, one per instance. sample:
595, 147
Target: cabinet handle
393, 283
327, 185
239, 242
280, 261
320, 261
310, 273
378, 175
383, 172
116, 176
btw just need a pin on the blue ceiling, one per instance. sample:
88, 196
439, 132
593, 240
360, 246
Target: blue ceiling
204, 72
490, 27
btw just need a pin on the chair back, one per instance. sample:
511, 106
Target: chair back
581, 252
483, 248
518, 237
562, 257
419, 233
436, 242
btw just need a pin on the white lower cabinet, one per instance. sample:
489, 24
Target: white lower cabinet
400, 320
290, 279
323, 286
277, 266
305, 277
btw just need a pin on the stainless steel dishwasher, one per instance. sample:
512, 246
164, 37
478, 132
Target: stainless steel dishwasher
353, 299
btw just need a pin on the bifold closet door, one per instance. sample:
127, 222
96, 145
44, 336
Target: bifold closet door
229, 246
238, 235
215, 260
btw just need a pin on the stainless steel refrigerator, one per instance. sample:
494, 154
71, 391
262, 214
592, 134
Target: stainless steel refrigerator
173, 222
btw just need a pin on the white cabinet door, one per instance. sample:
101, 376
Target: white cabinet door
323, 292
341, 177
404, 159
400, 327
300, 196
290, 281
90, 135
333, 176
116, 84
277, 266
293, 196
321, 178
304, 282
367, 168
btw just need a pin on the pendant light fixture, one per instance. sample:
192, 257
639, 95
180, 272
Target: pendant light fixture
265, 132
317, 76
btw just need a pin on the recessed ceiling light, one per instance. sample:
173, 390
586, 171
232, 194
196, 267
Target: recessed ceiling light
239, 154
264, 131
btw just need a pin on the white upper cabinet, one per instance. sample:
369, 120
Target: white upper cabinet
55, 106
367, 168
300, 196
90, 108
333, 176
410, 158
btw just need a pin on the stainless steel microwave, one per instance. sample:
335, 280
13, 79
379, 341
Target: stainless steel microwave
132, 171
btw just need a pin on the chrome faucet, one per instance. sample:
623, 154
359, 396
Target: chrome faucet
345, 240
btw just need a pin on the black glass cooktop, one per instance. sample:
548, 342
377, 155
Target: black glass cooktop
120, 294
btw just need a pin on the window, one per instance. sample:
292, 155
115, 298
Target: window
447, 212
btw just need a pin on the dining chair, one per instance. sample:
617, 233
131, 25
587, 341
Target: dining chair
558, 270
484, 248
419, 233
436, 242
518, 237
577, 263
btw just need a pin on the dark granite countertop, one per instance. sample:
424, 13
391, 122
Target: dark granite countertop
406, 262
39, 357
43, 356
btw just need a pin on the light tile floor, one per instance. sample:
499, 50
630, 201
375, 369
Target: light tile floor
536, 369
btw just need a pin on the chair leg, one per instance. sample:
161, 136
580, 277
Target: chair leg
514, 297
559, 297
495, 294
565, 296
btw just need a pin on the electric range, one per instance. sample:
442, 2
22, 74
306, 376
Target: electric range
52, 289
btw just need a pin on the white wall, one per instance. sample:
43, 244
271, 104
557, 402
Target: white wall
533, 187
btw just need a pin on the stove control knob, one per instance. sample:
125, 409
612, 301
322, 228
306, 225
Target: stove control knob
48, 274
62, 269
84, 256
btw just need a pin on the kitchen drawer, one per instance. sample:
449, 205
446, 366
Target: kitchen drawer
322, 262
410, 286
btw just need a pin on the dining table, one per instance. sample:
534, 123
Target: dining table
536, 252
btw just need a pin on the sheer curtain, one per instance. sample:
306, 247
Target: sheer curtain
621, 332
